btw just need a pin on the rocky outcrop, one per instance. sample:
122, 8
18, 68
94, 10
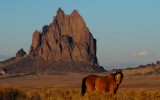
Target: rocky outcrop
20, 54
67, 39
158, 62
66, 45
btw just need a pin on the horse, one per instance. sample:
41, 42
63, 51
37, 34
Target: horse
102, 84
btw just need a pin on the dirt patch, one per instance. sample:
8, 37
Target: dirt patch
74, 80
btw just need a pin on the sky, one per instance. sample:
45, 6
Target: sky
127, 31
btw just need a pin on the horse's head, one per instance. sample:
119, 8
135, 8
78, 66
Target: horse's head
118, 77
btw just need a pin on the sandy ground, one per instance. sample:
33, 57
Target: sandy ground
74, 80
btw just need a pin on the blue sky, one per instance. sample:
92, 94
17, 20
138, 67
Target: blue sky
127, 32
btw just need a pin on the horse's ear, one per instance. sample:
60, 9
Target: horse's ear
117, 70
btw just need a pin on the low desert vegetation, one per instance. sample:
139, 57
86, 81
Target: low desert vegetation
10, 93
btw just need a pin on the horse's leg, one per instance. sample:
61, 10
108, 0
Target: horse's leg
112, 89
111, 93
90, 88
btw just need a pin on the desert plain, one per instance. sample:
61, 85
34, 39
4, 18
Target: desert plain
67, 86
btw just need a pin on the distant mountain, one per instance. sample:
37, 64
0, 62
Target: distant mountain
66, 45
3, 57
149, 69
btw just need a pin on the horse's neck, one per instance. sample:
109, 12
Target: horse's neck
110, 76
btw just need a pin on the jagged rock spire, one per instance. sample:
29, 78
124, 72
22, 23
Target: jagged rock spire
67, 38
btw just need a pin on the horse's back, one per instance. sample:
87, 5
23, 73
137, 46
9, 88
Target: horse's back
90, 79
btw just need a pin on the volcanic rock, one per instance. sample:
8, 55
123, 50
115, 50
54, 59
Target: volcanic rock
66, 39
66, 45
20, 54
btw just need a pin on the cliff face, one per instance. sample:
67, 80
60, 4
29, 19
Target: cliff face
67, 39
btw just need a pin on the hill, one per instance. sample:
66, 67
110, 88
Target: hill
149, 69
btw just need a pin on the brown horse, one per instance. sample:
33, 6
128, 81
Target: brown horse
102, 83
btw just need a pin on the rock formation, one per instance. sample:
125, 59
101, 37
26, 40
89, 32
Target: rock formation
20, 54
66, 45
67, 39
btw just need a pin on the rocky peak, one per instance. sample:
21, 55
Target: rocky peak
20, 54
66, 39
60, 12
76, 14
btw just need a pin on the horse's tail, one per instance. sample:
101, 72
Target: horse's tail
83, 87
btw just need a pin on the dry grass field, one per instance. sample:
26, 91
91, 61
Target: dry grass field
74, 94
68, 87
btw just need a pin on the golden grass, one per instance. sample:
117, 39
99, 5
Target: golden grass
10, 93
